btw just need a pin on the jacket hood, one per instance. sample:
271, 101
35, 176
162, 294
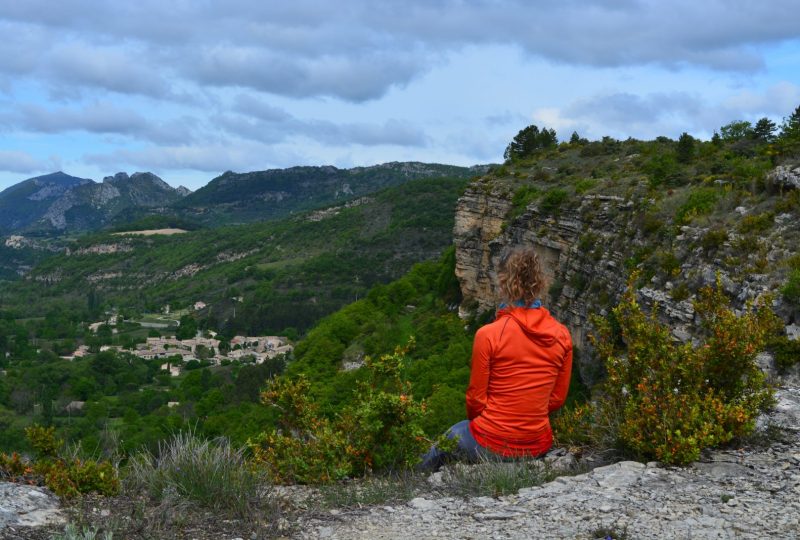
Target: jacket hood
537, 323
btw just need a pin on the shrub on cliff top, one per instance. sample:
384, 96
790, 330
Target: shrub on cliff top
66, 476
667, 400
380, 430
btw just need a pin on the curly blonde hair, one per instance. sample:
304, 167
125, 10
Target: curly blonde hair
519, 275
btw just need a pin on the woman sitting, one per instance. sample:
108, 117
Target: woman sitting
521, 365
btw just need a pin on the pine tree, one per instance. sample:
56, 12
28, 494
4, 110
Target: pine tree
764, 130
529, 140
788, 143
791, 125
685, 149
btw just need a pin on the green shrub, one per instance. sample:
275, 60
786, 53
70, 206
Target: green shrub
652, 224
785, 351
789, 202
661, 168
66, 477
756, 224
700, 201
552, 200
44, 440
714, 239
14, 468
666, 400
69, 478
522, 198
380, 430
791, 290
212, 474
584, 185
680, 292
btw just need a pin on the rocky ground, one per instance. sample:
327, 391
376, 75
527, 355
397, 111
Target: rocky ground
751, 492
748, 492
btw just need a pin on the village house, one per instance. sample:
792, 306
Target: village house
259, 348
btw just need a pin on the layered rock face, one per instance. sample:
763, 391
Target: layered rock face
482, 232
480, 214
590, 245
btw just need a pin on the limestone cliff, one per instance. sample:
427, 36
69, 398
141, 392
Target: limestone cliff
592, 241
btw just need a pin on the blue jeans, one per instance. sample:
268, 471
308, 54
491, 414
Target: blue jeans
468, 448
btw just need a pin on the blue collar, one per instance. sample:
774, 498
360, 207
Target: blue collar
536, 304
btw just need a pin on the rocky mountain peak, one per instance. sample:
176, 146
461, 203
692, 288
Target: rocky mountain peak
119, 177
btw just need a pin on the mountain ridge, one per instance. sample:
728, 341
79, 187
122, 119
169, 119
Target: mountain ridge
58, 203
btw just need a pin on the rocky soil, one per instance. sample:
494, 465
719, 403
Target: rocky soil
750, 492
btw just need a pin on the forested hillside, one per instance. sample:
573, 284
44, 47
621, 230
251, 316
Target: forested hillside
277, 193
283, 274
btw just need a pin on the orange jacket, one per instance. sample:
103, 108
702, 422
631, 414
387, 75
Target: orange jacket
521, 366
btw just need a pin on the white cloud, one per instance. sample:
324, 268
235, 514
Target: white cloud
648, 115
19, 162
99, 118
210, 158
119, 69
358, 50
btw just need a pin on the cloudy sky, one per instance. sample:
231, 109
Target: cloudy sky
191, 88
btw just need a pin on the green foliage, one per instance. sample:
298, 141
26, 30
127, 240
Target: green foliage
577, 139
554, 292
211, 474
187, 329
668, 401
685, 149
756, 223
736, 130
662, 168
700, 201
65, 476
381, 429
44, 441
790, 129
714, 239
584, 185
522, 198
552, 200
764, 130
786, 351
70, 478
528, 141
250, 196
791, 289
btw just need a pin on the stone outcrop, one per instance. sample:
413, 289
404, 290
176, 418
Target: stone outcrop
787, 176
23, 506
